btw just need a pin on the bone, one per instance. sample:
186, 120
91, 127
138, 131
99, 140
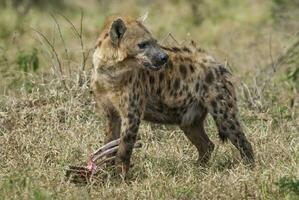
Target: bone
104, 153
82, 175
107, 146
107, 151
107, 160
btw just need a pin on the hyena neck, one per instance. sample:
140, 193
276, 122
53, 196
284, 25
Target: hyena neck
115, 74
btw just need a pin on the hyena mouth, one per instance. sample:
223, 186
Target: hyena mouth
150, 65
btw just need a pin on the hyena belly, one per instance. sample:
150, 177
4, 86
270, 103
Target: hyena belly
164, 114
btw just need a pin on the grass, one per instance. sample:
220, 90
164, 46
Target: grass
44, 127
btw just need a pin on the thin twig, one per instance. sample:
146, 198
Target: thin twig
45, 48
63, 42
270, 51
79, 34
283, 57
171, 36
55, 54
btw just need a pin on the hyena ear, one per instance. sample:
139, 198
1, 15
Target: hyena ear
117, 31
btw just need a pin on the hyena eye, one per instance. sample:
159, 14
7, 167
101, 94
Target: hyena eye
143, 45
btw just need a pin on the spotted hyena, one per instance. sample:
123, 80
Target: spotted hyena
135, 78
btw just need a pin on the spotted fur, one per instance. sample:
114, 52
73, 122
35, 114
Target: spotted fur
190, 85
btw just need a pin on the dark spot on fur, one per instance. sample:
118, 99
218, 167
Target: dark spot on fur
131, 115
106, 35
181, 93
225, 116
130, 79
99, 43
227, 90
230, 105
183, 71
158, 91
171, 93
143, 77
141, 101
219, 97
224, 128
230, 83
186, 88
233, 116
175, 94
214, 104
222, 136
183, 110
204, 60
137, 96
197, 87
221, 111
134, 129
222, 70
132, 98
191, 68
205, 88
232, 126
209, 77
200, 50
152, 79
170, 64
129, 137
176, 84
166, 48
186, 49
175, 49
188, 59
184, 101
215, 112
161, 77
169, 84
160, 108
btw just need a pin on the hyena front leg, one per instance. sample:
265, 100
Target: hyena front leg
129, 129
113, 120
113, 124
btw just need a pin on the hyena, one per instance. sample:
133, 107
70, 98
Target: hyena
135, 78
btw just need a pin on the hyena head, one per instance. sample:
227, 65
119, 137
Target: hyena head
125, 38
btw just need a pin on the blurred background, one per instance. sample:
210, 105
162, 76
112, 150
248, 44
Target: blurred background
250, 35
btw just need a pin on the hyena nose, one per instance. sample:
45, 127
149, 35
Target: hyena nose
163, 57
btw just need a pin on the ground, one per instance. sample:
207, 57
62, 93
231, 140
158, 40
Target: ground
45, 127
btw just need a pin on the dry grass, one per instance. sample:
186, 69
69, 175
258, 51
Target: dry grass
44, 127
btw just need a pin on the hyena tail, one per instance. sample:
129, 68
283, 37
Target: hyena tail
221, 104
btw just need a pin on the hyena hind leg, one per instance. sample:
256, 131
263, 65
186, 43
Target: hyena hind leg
225, 115
198, 137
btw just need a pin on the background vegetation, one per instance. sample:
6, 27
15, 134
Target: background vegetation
47, 114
